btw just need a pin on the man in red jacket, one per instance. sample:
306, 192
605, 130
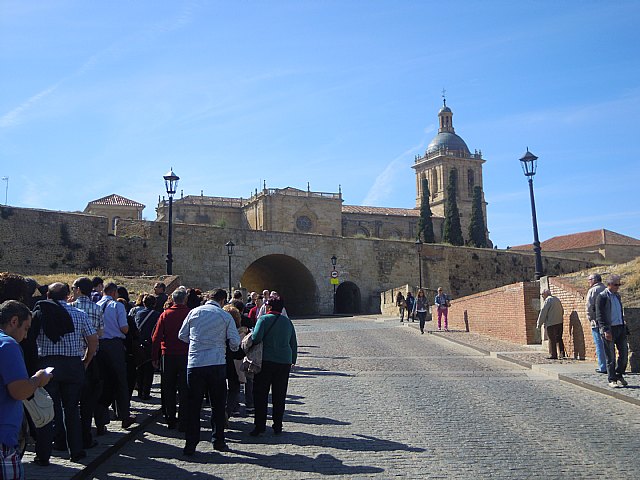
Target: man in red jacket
174, 359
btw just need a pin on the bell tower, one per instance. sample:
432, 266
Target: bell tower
448, 151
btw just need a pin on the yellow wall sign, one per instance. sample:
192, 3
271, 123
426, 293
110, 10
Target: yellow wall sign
335, 281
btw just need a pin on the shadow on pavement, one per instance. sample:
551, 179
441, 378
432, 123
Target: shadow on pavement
312, 372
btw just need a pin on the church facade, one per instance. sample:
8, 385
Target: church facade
323, 213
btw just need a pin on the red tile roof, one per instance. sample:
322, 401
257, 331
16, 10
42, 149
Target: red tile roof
581, 240
404, 212
118, 200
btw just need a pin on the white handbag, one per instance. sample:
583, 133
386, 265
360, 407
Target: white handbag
40, 407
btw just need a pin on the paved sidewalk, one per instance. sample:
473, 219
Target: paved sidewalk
145, 412
577, 372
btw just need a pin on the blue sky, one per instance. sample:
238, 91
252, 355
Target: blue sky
103, 97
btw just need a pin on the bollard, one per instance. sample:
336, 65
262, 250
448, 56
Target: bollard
466, 322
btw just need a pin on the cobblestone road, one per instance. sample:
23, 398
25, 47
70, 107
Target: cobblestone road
375, 399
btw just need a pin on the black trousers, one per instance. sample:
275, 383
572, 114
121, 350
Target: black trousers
144, 378
91, 391
174, 378
113, 368
211, 379
618, 341
274, 376
555, 340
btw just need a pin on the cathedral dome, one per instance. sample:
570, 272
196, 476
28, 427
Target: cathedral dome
447, 140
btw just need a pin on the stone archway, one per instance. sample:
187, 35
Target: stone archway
348, 298
289, 277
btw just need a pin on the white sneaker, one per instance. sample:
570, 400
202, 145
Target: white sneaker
614, 384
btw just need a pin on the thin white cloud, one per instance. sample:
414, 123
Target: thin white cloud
14, 117
383, 185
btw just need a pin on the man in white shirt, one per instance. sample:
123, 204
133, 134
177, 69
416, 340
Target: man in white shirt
207, 329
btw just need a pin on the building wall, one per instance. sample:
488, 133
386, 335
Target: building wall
113, 213
386, 226
621, 253
282, 212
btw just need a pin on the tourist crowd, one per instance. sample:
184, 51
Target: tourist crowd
91, 347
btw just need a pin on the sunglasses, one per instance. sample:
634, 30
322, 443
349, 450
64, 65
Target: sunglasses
616, 284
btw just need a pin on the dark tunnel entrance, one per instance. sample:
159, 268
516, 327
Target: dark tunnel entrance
287, 276
348, 298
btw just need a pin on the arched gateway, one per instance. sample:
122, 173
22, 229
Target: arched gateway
348, 299
289, 277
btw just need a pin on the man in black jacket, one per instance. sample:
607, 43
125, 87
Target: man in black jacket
610, 319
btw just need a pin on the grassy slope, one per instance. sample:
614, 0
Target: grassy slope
630, 272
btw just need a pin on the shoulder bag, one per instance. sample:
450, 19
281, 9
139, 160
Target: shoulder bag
40, 407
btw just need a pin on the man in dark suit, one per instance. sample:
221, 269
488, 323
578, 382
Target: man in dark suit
610, 319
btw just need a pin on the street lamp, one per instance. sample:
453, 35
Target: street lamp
529, 164
230, 246
419, 250
334, 260
171, 184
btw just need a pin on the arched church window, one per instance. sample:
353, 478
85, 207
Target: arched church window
114, 222
470, 181
434, 183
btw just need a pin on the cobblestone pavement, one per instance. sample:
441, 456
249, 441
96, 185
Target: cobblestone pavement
372, 398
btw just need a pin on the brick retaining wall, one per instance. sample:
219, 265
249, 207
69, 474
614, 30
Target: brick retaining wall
507, 313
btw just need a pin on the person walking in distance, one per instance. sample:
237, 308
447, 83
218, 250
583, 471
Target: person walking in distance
411, 302
400, 303
595, 288
551, 316
421, 308
610, 318
207, 329
442, 304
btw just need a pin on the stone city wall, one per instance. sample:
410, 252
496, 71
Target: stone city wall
40, 241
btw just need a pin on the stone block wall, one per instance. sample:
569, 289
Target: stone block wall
506, 313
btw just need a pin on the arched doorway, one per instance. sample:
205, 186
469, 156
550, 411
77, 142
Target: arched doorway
348, 298
287, 276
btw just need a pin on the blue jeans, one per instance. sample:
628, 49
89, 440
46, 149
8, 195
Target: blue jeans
619, 341
597, 340
211, 379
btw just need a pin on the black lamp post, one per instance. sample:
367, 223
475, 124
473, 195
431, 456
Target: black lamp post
334, 260
419, 250
171, 184
529, 164
230, 246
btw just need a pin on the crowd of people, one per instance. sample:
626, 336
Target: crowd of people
91, 347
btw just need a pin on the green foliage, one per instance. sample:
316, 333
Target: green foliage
425, 227
452, 229
477, 229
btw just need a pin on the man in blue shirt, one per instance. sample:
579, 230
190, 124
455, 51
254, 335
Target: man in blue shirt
207, 329
610, 319
15, 384
112, 360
